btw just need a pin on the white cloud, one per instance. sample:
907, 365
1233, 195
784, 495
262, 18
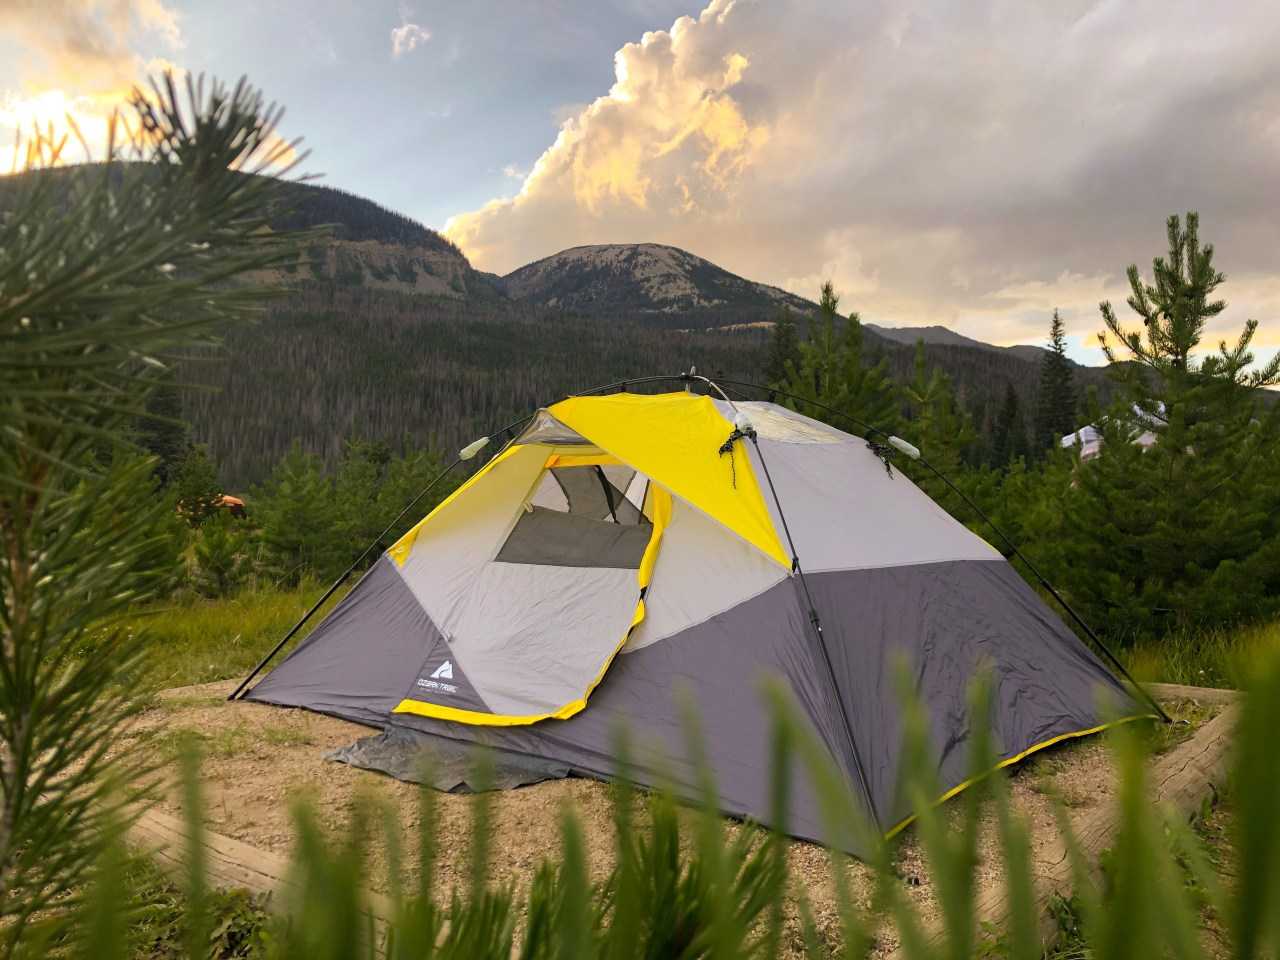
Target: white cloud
972, 165
81, 59
407, 37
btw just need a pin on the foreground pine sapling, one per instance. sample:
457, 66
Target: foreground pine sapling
107, 271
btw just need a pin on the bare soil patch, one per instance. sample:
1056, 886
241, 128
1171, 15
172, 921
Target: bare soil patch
260, 760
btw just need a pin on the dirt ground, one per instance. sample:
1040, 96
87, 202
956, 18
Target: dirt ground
258, 760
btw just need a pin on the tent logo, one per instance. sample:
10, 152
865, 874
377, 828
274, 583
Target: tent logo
444, 671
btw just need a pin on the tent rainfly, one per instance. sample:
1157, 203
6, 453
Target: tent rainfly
628, 555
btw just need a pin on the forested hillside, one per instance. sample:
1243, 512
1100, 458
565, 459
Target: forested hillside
333, 362
388, 333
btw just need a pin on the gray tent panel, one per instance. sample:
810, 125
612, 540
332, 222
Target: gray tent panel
944, 622
357, 662
716, 670
442, 676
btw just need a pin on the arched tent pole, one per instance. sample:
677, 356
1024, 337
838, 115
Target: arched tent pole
901, 445
742, 427
465, 454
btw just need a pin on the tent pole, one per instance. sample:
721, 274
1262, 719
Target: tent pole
339, 582
1013, 547
1044, 582
466, 453
750, 433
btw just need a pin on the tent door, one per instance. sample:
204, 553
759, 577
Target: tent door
546, 616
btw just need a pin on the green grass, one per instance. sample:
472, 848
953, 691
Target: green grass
1206, 658
198, 641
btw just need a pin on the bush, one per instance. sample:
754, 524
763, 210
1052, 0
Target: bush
220, 553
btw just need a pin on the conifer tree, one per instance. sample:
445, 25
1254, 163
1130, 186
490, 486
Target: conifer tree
938, 426
1056, 409
162, 432
297, 511
832, 370
1009, 440
195, 485
937, 419
1187, 529
784, 349
107, 271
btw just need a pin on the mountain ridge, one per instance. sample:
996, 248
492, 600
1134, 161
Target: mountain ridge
387, 332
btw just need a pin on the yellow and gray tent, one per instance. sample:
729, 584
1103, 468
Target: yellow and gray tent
627, 556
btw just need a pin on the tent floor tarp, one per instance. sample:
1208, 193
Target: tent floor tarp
451, 766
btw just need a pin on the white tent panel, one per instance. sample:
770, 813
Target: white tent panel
847, 512
453, 546
534, 635
703, 569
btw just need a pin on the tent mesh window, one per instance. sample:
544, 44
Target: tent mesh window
582, 516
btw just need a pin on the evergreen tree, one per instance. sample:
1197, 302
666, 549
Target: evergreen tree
1009, 439
105, 268
356, 517
221, 557
944, 431
298, 516
939, 427
407, 476
784, 349
832, 370
162, 432
1186, 530
195, 485
1056, 410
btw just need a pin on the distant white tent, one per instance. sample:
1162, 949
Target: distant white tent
1090, 437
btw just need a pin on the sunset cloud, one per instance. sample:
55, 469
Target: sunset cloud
81, 60
974, 166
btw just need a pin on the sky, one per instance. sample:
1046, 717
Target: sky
974, 165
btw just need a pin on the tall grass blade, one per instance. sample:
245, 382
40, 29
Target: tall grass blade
1256, 789
196, 866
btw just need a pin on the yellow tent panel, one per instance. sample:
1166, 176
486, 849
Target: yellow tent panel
674, 439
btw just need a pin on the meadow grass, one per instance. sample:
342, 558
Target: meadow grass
1219, 657
193, 640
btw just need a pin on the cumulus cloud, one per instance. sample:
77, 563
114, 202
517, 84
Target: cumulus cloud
408, 36
974, 165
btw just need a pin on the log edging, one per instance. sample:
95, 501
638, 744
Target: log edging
1185, 778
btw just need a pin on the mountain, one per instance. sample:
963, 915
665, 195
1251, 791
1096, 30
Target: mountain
389, 333
643, 279
937, 334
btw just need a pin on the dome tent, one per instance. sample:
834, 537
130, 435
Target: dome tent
628, 553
